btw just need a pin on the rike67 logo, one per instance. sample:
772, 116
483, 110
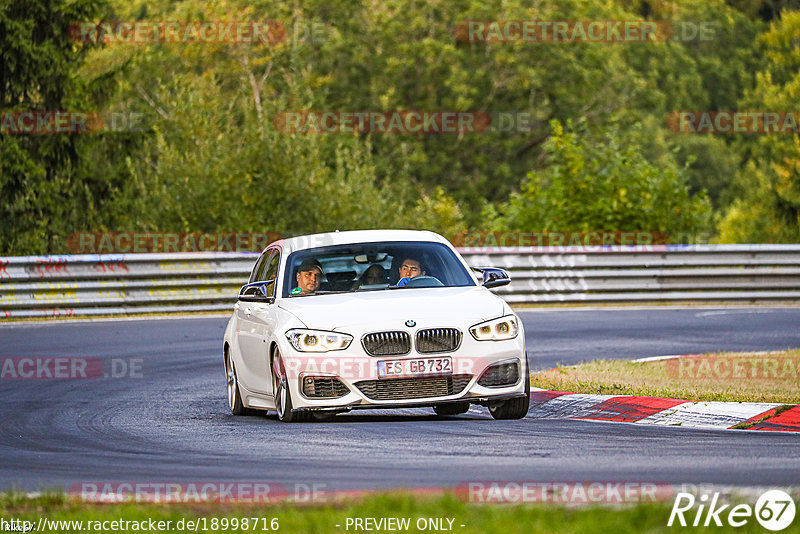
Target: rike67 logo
774, 510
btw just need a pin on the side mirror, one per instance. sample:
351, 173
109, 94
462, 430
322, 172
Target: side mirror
256, 292
494, 277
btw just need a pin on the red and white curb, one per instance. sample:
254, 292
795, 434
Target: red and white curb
662, 411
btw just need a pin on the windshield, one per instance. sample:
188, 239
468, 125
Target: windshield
373, 267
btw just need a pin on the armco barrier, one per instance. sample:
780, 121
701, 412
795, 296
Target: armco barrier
660, 273
33, 286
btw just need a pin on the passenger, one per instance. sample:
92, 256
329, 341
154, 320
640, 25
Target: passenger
309, 277
410, 268
374, 275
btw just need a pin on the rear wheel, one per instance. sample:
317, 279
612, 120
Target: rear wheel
283, 397
452, 408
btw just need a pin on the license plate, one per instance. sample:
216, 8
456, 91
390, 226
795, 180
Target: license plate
415, 367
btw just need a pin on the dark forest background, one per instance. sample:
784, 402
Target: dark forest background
598, 155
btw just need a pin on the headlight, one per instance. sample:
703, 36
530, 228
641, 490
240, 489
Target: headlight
496, 329
305, 340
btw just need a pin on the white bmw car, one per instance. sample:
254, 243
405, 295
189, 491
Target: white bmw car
372, 319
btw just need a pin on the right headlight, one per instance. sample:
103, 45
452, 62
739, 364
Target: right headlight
305, 340
496, 329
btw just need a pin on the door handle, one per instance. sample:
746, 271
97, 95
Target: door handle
248, 310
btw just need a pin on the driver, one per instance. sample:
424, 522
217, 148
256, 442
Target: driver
309, 277
410, 268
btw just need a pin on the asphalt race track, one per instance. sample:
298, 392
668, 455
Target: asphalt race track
169, 422
573, 336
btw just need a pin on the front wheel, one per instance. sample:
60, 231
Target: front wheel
283, 402
516, 408
452, 408
283, 397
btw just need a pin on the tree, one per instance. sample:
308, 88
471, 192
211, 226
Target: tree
208, 152
591, 183
214, 159
768, 207
41, 184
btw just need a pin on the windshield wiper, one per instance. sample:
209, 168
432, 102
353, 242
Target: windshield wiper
362, 289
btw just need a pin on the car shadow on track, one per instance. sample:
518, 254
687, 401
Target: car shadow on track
389, 417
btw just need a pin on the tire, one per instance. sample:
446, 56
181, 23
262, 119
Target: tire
527, 376
283, 397
516, 408
234, 395
452, 408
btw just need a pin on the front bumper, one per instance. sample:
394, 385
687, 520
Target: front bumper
427, 403
357, 371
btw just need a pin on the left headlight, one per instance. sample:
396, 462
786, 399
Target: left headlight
305, 340
496, 329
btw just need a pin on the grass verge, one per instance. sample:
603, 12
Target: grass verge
732, 377
478, 518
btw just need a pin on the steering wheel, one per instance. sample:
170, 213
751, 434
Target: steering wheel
424, 281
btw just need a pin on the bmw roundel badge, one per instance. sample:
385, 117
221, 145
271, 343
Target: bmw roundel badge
410, 323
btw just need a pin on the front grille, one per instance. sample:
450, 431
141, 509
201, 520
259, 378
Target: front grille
413, 388
387, 343
323, 387
505, 374
438, 340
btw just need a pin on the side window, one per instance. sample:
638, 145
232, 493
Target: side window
272, 271
261, 266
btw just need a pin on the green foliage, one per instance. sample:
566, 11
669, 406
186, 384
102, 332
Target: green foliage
437, 210
214, 160
766, 10
209, 157
604, 184
404, 54
710, 72
43, 192
767, 209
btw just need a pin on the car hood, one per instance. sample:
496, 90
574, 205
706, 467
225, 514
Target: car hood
392, 308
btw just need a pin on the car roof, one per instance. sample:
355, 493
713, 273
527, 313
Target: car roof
358, 236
